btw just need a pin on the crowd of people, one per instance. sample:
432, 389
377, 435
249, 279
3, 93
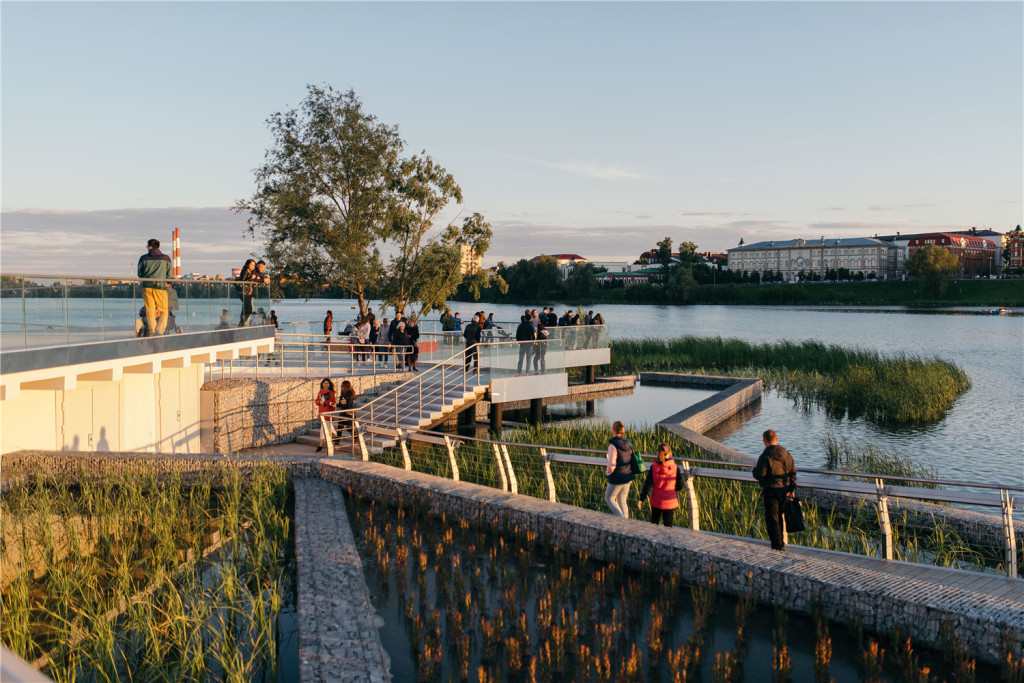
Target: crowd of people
372, 339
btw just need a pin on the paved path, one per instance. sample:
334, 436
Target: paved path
338, 636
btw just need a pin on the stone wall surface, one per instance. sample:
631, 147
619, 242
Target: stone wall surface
339, 638
886, 594
248, 413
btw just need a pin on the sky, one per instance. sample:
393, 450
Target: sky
597, 128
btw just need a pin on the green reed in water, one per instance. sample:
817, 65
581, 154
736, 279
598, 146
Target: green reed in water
120, 577
900, 389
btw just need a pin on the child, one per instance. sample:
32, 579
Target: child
663, 480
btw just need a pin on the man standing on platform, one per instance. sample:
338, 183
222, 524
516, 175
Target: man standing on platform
472, 335
776, 473
155, 264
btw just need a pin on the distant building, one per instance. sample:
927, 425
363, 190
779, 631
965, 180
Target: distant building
864, 255
976, 255
565, 262
651, 256
634, 277
469, 263
1015, 241
612, 266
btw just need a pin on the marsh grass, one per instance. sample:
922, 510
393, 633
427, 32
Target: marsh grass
894, 390
501, 602
729, 507
841, 455
133, 577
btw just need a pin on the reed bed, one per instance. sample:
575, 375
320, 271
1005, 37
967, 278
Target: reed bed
899, 390
131, 577
465, 601
727, 507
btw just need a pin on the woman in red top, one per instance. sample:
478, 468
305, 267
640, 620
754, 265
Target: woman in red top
326, 403
662, 484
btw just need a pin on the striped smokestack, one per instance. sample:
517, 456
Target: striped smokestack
176, 258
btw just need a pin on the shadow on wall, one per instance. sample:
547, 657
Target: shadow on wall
263, 431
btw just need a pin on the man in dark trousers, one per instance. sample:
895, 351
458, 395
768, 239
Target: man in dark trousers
776, 473
472, 335
524, 333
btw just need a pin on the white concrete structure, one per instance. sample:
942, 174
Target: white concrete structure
130, 395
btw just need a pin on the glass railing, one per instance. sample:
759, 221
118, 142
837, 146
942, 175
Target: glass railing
512, 359
48, 310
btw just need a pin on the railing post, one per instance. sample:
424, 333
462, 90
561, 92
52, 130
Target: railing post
513, 485
549, 481
1008, 535
689, 474
328, 436
363, 452
451, 458
883, 518
329, 373
501, 470
406, 460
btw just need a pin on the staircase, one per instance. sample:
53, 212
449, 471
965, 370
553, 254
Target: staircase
433, 396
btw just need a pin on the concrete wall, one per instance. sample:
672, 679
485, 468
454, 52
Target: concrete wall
140, 412
245, 413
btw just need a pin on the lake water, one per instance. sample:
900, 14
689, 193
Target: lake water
981, 439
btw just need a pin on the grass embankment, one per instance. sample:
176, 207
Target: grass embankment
727, 507
896, 390
981, 293
118, 582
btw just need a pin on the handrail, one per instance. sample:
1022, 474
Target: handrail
693, 468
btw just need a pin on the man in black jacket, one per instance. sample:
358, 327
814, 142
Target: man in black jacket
776, 473
524, 333
472, 335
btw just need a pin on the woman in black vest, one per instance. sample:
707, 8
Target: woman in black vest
619, 471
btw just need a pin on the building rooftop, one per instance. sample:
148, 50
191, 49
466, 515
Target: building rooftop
812, 243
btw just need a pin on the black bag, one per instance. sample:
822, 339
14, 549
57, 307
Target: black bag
794, 516
679, 480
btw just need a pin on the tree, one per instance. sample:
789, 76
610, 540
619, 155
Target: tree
664, 252
933, 266
324, 193
680, 285
688, 252
580, 281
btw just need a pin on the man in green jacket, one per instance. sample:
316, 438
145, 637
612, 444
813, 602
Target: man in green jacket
776, 473
155, 264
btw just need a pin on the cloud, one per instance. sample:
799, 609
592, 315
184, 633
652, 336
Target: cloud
109, 242
589, 169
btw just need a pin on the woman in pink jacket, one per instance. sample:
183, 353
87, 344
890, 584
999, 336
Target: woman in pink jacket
663, 481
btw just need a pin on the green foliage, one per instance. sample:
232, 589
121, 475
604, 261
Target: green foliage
897, 389
843, 456
934, 267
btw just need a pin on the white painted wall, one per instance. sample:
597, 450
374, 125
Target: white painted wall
157, 413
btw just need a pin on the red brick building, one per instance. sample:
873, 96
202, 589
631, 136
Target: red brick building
976, 255
1015, 240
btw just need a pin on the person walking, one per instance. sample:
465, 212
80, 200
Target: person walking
383, 340
524, 333
776, 474
325, 403
619, 471
328, 326
663, 482
155, 265
472, 335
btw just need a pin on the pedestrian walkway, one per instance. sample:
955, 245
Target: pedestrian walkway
338, 628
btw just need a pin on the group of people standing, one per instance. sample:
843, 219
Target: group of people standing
774, 471
381, 339
253, 273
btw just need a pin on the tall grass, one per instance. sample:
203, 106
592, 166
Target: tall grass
843, 456
133, 578
896, 390
729, 507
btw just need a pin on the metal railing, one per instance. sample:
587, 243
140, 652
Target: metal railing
529, 468
59, 310
308, 359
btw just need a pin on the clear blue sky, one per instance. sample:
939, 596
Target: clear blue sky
596, 128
